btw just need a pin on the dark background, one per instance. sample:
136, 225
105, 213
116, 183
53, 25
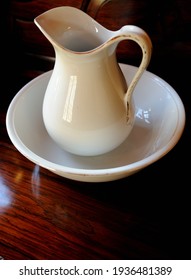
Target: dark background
161, 192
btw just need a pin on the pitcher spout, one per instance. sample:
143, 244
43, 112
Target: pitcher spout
72, 29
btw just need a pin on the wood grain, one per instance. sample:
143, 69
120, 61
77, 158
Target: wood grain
47, 217
44, 216
144, 216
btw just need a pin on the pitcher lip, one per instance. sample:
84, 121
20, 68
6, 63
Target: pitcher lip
57, 23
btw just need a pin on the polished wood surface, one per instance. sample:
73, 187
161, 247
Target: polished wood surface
144, 216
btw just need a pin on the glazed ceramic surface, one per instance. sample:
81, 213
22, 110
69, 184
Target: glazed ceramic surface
159, 123
88, 108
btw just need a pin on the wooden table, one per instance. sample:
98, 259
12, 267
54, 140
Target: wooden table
144, 216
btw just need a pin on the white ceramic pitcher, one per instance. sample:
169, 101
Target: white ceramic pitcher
88, 107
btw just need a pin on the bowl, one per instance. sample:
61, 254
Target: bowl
159, 124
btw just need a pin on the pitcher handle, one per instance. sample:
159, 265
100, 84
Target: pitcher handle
137, 34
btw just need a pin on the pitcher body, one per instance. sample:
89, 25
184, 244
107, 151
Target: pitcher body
88, 108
